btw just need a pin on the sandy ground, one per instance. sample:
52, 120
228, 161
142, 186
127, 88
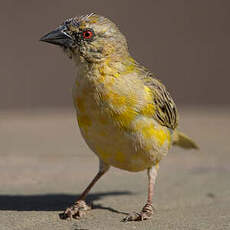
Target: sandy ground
45, 164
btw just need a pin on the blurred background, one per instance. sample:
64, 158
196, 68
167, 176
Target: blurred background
44, 162
185, 42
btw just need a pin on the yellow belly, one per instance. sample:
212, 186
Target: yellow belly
133, 150
134, 146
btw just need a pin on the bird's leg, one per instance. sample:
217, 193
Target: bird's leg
79, 208
147, 210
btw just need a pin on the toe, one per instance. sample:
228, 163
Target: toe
67, 214
145, 214
132, 217
75, 211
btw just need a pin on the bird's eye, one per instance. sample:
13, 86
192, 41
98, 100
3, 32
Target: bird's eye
88, 34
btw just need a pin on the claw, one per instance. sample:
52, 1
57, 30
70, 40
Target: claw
132, 217
145, 214
76, 211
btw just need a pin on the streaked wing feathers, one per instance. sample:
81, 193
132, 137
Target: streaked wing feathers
166, 112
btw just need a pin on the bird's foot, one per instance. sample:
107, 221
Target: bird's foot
145, 214
77, 210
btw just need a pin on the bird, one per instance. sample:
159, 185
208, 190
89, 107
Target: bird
125, 114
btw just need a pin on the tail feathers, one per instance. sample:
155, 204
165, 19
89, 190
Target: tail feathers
180, 139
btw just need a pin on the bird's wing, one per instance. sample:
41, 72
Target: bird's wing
165, 109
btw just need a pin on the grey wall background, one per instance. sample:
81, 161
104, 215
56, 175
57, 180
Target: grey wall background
187, 43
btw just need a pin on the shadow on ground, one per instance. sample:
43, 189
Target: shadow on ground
51, 202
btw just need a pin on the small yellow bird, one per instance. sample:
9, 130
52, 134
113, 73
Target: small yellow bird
126, 116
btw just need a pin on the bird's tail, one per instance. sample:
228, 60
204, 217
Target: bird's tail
180, 139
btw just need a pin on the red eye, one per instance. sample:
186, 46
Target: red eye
88, 34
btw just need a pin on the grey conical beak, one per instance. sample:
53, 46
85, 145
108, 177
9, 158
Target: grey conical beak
58, 37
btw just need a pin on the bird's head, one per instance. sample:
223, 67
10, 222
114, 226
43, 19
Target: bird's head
91, 38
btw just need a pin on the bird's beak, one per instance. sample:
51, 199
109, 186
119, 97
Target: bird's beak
58, 37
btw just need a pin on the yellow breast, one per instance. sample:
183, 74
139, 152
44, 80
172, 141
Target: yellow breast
116, 123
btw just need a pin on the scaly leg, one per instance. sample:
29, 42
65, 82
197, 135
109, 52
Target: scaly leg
148, 209
79, 208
